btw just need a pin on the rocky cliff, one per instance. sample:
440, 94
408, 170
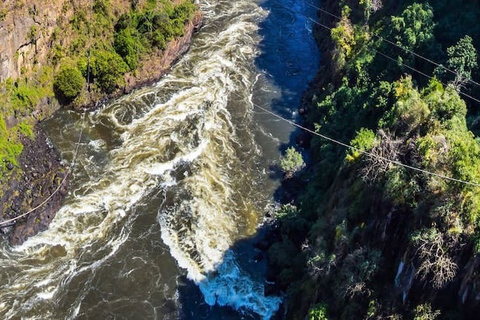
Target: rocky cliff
30, 29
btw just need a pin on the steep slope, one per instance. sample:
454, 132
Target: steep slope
371, 238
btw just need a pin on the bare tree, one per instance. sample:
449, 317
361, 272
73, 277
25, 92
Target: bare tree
378, 160
434, 258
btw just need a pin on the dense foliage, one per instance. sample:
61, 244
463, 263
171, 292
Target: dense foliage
68, 82
370, 238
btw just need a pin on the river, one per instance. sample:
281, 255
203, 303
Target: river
171, 181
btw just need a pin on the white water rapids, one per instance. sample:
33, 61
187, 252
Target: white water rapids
181, 157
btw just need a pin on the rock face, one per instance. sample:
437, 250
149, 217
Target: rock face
40, 184
25, 30
29, 28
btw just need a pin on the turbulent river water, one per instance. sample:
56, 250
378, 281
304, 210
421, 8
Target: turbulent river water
170, 181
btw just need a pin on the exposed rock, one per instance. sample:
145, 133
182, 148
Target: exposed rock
24, 34
39, 176
27, 29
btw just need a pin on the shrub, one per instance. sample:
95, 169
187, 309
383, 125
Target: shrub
9, 148
108, 70
318, 312
26, 129
363, 141
128, 46
68, 83
292, 161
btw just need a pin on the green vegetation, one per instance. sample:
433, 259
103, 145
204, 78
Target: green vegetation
367, 233
68, 83
318, 312
3, 14
462, 58
292, 161
108, 69
140, 32
9, 151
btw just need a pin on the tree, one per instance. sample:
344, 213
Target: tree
344, 37
363, 141
369, 7
108, 69
432, 252
318, 312
425, 312
462, 58
414, 27
292, 161
128, 46
68, 83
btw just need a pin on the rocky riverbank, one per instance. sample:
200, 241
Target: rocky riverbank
40, 181
38, 185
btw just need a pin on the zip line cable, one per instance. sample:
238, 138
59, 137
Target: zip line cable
77, 147
356, 149
398, 163
400, 47
69, 171
364, 152
425, 75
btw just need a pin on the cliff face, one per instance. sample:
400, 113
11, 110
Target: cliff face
25, 30
370, 239
29, 30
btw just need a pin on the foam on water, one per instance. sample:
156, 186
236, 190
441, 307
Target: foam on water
229, 285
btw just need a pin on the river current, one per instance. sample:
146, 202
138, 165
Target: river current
171, 180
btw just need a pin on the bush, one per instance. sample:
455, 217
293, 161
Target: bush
68, 83
363, 141
128, 46
108, 70
318, 312
9, 148
184, 11
292, 161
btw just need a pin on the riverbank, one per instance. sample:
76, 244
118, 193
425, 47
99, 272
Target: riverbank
37, 181
40, 181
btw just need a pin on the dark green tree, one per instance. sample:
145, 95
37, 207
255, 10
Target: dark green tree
414, 27
462, 58
108, 70
68, 83
128, 46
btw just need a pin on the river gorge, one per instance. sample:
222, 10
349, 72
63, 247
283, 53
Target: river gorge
172, 180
